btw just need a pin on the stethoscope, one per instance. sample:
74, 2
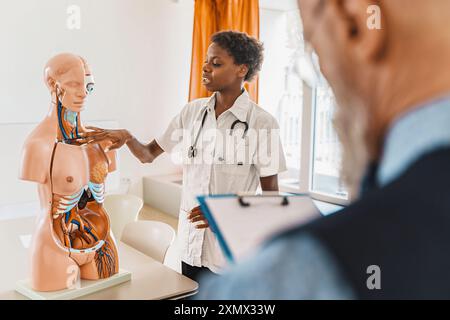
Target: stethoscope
192, 152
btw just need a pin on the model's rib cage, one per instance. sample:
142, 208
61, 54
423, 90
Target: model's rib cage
98, 191
63, 204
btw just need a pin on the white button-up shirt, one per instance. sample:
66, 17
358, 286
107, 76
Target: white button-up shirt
226, 161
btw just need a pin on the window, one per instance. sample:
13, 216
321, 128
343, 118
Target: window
281, 86
326, 161
289, 114
305, 114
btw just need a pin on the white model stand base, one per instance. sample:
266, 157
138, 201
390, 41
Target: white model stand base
86, 287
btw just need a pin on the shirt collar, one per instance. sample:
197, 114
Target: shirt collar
416, 133
240, 107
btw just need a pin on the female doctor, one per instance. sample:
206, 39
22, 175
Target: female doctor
230, 145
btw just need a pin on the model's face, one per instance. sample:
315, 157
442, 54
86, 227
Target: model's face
220, 70
73, 88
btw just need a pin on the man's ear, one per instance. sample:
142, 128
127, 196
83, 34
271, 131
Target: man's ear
363, 27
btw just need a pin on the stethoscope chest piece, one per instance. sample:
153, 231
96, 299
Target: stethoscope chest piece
192, 152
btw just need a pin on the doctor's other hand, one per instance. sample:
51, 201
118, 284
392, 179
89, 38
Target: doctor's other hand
115, 138
197, 215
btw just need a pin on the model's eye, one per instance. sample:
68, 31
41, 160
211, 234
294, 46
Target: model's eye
89, 88
89, 81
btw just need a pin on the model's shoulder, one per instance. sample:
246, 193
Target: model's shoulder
41, 138
37, 151
43, 134
37, 154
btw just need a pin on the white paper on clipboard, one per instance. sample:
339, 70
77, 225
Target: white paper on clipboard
245, 229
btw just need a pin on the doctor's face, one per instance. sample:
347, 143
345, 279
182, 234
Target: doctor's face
219, 70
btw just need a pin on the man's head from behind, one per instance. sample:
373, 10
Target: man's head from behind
377, 71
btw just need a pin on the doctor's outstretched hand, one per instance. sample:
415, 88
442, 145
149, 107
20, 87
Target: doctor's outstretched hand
116, 138
196, 215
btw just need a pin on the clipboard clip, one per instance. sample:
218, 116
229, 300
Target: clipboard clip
284, 201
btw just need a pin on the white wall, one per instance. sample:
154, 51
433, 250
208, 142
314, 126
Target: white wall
139, 51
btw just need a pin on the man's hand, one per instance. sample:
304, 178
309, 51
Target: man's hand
196, 215
115, 138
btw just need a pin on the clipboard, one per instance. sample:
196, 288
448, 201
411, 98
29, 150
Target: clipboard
243, 223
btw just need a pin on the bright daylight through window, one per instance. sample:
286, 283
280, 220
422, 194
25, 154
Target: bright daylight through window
284, 94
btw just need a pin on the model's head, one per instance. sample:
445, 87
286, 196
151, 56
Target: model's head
232, 58
69, 77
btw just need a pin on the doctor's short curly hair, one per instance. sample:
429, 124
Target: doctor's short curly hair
243, 48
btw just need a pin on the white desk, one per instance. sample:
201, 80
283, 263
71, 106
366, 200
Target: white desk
150, 279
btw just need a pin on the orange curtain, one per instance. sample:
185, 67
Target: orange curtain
211, 16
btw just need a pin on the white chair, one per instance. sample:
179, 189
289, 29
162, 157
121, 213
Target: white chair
152, 238
122, 209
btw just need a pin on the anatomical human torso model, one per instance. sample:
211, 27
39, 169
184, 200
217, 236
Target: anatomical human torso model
72, 238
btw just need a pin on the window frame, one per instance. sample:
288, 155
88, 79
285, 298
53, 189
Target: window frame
307, 152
